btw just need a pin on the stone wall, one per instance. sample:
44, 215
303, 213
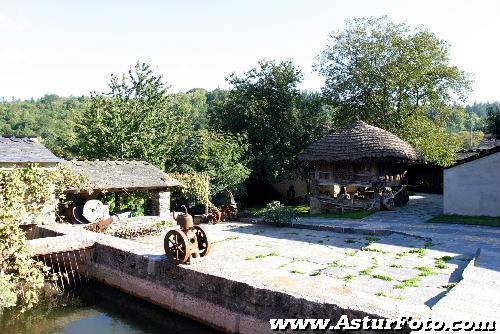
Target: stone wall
224, 304
160, 204
472, 188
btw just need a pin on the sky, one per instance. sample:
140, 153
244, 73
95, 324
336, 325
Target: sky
71, 48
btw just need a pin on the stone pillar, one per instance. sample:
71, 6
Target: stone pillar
160, 204
315, 206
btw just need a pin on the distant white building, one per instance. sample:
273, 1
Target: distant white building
472, 185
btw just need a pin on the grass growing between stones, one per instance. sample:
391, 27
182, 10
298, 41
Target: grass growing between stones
297, 271
440, 263
393, 265
420, 251
368, 271
449, 286
371, 249
261, 256
400, 255
227, 239
383, 277
409, 283
334, 264
426, 271
351, 253
348, 278
383, 294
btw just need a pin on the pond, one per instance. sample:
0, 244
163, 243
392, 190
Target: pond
96, 308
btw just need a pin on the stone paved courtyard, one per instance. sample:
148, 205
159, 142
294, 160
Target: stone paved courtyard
395, 268
361, 271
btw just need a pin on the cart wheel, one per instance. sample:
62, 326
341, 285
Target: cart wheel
203, 241
177, 246
387, 202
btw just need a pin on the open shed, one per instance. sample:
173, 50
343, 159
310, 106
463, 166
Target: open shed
126, 176
358, 164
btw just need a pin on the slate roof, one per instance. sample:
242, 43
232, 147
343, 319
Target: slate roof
25, 150
360, 141
476, 154
486, 144
123, 175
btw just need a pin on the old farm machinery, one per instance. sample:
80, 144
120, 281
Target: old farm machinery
93, 214
189, 241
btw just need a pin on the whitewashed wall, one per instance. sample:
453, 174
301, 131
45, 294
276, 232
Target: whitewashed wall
473, 188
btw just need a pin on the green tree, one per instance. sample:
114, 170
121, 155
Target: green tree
136, 119
218, 156
389, 74
51, 118
265, 105
493, 119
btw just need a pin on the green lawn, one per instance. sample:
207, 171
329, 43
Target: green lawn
303, 211
466, 220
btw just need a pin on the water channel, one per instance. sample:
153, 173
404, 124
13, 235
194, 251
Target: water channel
96, 308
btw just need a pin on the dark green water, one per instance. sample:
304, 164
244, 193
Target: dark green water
97, 309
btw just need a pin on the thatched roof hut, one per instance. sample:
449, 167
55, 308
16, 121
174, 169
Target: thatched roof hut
360, 141
361, 160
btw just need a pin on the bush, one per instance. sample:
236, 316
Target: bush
278, 214
27, 196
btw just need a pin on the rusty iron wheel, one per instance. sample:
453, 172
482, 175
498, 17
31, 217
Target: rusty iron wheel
204, 244
177, 246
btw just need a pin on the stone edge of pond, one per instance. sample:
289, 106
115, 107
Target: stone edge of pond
235, 307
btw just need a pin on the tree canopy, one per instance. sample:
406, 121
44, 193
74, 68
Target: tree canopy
265, 105
139, 119
389, 74
136, 119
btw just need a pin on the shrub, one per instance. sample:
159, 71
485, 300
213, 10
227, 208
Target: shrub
278, 214
27, 195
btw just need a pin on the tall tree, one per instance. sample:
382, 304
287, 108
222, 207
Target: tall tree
265, 105
136, 119
389, 74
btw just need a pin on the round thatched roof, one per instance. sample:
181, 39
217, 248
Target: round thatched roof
360, 141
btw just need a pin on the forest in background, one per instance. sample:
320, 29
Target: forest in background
388, 74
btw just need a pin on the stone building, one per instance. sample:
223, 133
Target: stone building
472, 185
126, 176
17, 152
20, 152
349, 168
